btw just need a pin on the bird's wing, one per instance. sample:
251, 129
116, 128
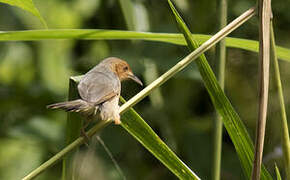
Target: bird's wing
97, 87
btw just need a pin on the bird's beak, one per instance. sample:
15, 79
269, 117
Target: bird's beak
135, 78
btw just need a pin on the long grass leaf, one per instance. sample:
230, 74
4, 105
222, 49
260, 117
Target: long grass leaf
103, 34
138, 128
231, 119
284, 126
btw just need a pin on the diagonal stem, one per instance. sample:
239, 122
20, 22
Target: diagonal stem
159, 81
66, 150
189, 58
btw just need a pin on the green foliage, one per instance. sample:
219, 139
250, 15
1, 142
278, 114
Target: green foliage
35, 72
26, 5
232, 121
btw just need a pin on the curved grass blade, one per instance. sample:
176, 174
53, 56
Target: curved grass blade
26, 5
140, 130
231, 120
284, 126
278, 176
102, 34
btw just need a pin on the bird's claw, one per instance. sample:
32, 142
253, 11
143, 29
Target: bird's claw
85, 136
117, 120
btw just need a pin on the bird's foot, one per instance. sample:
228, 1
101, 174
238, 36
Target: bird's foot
86, 137
117, 120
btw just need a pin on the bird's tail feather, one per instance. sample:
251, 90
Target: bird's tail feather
78, 105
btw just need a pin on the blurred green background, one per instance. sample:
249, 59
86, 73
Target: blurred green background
34, 74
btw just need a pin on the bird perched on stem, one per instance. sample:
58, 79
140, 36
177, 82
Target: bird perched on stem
100, 90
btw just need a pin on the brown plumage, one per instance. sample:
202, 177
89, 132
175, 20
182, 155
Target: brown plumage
100, 90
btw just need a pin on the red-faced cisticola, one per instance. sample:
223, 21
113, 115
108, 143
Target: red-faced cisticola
100, 90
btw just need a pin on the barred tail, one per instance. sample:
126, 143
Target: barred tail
78, 105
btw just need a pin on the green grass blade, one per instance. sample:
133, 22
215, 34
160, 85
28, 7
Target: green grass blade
102, 34
231, 120
140, 130
278, 176
284, 126
26, 5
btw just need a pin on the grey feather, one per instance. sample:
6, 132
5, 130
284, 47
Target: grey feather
78, 105
99, 85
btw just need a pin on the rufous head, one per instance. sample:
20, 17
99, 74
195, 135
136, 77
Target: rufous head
122, 69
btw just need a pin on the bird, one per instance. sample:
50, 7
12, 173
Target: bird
99, 90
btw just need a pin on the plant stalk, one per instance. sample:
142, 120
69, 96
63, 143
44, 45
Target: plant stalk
221, 60
264, 60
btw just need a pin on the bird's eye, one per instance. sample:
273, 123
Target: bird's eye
125, 68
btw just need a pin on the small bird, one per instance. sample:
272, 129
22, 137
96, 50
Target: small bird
100, 90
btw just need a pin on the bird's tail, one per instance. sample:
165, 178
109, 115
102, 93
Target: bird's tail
78, 105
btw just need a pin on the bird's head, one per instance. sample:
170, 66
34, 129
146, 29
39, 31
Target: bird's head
123, 70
